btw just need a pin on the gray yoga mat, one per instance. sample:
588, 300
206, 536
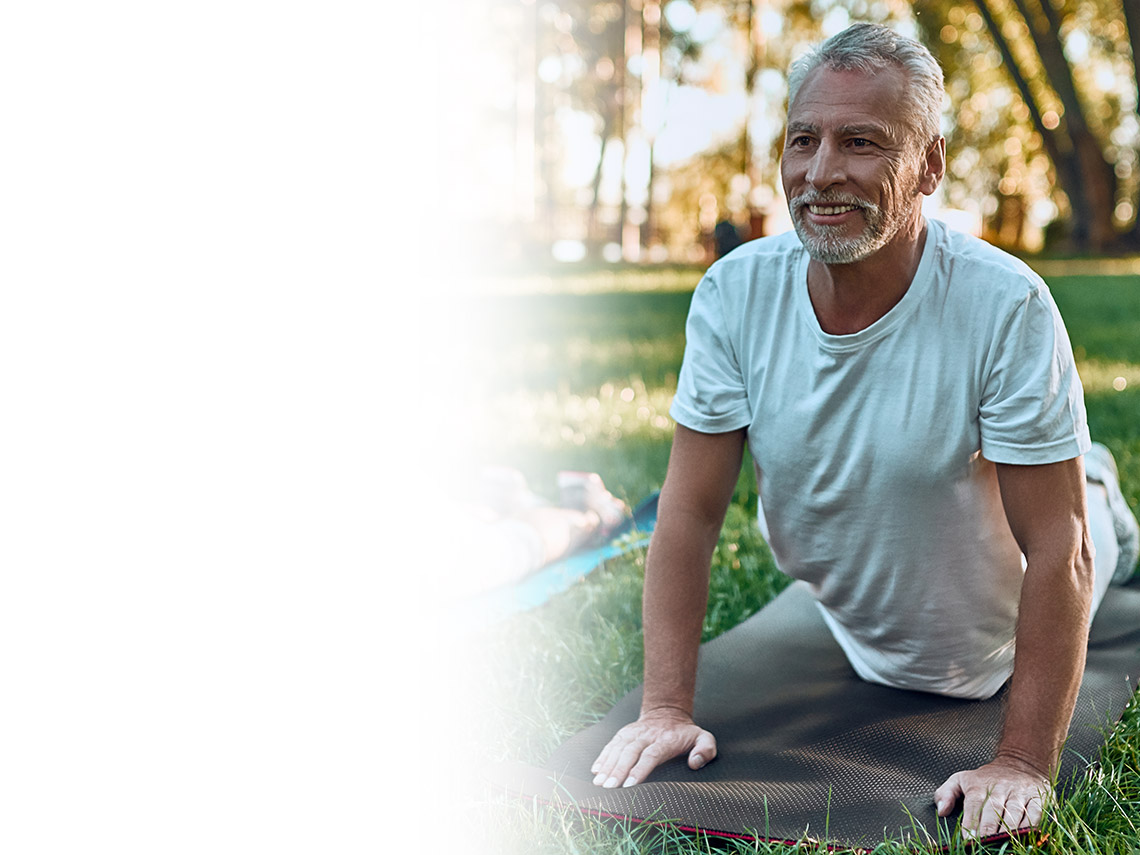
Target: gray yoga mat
806, 748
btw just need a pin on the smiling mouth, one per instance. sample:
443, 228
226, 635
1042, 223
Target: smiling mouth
831, 210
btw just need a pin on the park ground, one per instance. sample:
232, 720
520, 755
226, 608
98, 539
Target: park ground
576, 371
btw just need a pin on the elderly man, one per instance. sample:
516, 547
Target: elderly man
910, 401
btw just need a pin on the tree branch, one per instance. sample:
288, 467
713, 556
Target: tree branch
1047, 40
1014, 69
1057, 146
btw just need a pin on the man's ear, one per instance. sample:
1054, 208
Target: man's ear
933, 166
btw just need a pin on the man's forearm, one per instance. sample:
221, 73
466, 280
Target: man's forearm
703, 470
1048, 516
675, 599
1052, 638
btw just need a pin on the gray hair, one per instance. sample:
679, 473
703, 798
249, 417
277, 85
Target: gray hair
871, 47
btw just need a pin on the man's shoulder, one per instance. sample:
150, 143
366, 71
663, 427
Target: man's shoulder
978, 266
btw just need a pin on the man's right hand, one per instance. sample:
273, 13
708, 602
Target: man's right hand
703, 472
639, 748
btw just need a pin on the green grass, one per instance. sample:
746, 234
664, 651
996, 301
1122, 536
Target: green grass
583, 380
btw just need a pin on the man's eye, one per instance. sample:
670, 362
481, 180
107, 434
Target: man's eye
801, 141
860, 143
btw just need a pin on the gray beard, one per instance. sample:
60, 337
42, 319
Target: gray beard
828, 244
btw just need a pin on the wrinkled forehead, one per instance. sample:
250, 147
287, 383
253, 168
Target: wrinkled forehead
880, 86
853, 102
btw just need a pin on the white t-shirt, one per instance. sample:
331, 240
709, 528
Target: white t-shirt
874, 451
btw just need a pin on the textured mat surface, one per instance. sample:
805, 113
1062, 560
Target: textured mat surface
806, 748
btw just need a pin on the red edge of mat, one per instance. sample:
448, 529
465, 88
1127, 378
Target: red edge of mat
753, 838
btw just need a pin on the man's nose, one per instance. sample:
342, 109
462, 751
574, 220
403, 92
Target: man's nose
826, 167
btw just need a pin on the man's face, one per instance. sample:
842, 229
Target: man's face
851, 170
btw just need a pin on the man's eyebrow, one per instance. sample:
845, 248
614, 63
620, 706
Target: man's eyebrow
802, 128
855, 130
864, 131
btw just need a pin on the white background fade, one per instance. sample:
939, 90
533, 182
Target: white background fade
218, 337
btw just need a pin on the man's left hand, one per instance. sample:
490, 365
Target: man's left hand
1002, 796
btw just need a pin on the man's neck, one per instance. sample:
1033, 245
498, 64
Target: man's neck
848, 298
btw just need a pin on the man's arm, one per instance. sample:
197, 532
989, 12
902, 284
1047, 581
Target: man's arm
1047, 513
703, 470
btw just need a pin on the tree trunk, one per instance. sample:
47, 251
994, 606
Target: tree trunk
648, 228
1058, 147
1099, 182
594, 240
1132, 23
1097, 179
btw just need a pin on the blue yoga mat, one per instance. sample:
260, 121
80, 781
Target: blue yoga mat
538, 587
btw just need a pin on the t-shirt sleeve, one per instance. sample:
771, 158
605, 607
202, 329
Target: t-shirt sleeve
1033, 408
711, 393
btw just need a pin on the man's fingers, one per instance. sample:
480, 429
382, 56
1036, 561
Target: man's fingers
946, 796
629, 758
996, 798
703, 751
637, 749
1000, 814
602, 764
1013, 815
1022, 810
973, 808
992, 815
1034, 811
605, 759
622, 755
650, 759
603, 767
1002, 811
985, 811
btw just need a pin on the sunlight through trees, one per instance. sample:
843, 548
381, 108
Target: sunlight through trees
626, 130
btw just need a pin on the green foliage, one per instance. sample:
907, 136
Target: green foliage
1102, 315
1103, 319
744, 575
1043, 115
581, 381
542, 676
